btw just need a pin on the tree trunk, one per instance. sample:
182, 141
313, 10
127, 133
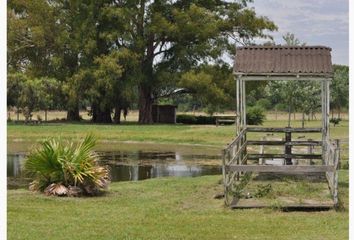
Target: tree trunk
145, 106
303, 120
45, 115
101, 116
289, 115
73, 114
339, 112
117, 114
18, 114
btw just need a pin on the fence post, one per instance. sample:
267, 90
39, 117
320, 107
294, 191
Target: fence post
338, 149
310, 151
288, 148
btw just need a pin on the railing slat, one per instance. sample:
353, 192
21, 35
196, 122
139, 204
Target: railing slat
299, 130
283, 168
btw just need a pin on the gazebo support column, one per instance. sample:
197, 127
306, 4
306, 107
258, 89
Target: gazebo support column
325, 118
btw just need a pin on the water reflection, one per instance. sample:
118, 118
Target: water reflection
140, 165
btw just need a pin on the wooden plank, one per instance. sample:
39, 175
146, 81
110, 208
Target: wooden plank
295, 156
265, 142
298, 130
284, 168
237, 154
280, 143
293, 207
304, 143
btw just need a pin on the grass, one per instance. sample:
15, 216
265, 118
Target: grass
165, 208
157, 133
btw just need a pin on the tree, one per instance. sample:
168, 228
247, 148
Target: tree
175, 36
291, 40
71, 41
48, 91
340, 88
211, 85
14, 90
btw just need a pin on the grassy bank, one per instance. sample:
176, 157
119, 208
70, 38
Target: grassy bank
167, 208
158, 133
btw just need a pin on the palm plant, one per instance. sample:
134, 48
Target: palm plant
66, 169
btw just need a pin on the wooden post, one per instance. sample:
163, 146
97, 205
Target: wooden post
244, 104
310, 151
288, 148
261, 151
237, 105
223, 153
325, 119
335, 178
338, 152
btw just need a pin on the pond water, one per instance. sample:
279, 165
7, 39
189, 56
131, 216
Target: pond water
137, 165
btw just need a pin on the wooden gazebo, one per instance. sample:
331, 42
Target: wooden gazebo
291, 63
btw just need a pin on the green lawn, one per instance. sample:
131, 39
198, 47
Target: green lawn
158, 133
165, 208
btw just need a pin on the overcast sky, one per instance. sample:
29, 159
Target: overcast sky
315, 22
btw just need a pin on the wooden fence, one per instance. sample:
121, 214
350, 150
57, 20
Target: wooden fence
236, 157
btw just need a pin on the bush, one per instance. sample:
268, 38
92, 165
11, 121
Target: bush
190, 119
255, 115
264, 103
335, 121
66, 169
186, 119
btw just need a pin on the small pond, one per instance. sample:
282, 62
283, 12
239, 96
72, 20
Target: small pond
134, 165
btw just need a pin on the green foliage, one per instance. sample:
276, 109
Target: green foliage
255, 115
81, 43
190, 119
237, 188
340, 88
58, 165
263, 190
335, 121
264, 103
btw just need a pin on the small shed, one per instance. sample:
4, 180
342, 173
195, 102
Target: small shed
164, 113
290, 63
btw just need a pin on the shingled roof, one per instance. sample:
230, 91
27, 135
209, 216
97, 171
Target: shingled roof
283, 60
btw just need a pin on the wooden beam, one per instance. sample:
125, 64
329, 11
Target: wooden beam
280, 143
236, 140
284, 168
295, 156
296, 130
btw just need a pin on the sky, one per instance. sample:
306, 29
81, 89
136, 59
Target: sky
315, 22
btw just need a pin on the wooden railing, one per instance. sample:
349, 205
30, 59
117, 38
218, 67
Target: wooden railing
332, 159
234, 154
235, 158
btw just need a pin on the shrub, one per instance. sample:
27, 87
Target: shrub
65, 169
255, 115
190, 119
264, 103
186, 119
335, 121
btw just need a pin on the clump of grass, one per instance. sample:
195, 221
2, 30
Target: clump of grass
66, 169
263, 190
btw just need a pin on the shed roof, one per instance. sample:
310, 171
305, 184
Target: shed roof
283, 60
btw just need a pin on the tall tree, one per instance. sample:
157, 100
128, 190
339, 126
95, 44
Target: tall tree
174, 36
